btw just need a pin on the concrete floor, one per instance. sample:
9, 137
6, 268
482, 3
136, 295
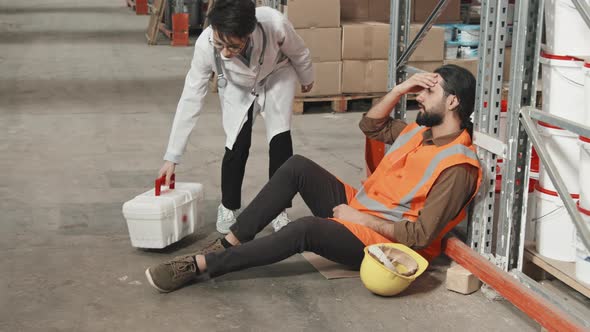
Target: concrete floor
85, 111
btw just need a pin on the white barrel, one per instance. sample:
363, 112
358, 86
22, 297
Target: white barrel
564, 150
563, 86
583, 253
566, 31
585, 172
556, 234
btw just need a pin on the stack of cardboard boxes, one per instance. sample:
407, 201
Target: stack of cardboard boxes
430, 53
318, 24
451, 14
349, 42
364, 56
365, 45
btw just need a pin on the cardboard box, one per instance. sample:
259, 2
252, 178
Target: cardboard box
351, 10
469, 64
370, 41
328, 76
365, 41
365, 10
432, 47
323, 43
473, 64
422, 9
379, 10
366, 76
312, 13
428, 66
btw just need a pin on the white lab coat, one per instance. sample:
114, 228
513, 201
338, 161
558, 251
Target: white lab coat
275, 87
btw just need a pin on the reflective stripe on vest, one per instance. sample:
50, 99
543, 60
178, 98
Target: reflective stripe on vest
397, 213
403, 139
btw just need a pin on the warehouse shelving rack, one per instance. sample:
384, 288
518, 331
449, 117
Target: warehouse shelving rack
500, 266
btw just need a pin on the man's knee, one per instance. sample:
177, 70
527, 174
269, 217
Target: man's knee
296, 163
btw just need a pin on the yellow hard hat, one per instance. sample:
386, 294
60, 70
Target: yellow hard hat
389, 268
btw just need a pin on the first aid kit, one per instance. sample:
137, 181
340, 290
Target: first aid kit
159, 217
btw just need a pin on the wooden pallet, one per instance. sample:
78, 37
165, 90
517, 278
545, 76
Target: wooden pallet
157, 13
564, 271
339, 102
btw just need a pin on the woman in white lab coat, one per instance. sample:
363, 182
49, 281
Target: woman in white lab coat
258, 59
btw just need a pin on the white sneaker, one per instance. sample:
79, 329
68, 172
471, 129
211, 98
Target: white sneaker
225, 218
280, 221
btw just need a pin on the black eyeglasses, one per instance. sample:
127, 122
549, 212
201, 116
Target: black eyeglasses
234, 48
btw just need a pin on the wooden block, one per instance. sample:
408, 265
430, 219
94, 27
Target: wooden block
339, 105
298, 107
462, 281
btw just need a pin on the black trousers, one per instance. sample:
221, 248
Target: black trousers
234, 161
321, 191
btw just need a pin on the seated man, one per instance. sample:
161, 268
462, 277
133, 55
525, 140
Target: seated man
418, 192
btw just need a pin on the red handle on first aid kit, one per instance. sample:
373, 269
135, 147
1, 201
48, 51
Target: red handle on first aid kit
162, 180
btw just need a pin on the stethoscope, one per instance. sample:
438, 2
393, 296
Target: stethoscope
222, 81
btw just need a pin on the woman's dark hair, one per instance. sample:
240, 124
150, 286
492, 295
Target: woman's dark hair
460, 82
233, 18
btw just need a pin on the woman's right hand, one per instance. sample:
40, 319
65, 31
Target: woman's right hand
167, 170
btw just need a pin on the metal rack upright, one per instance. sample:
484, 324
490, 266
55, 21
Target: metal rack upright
509, 234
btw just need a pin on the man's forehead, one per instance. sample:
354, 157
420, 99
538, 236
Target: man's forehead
439, 84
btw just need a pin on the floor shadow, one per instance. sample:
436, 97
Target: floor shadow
278, 270
178, 248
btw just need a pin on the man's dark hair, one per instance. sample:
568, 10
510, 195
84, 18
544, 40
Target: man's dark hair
460, 82
233, 18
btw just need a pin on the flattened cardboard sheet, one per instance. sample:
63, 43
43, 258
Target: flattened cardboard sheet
329, 269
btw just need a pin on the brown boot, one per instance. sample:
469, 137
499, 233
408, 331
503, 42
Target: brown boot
172, 275
180, 271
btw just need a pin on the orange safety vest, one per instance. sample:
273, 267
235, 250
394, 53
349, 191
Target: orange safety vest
398, 188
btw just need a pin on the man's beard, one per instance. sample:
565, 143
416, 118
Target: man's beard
428, 119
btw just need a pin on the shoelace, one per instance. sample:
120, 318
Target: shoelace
211, 247
179, 268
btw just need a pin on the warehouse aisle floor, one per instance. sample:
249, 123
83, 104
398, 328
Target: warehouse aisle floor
85, 111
